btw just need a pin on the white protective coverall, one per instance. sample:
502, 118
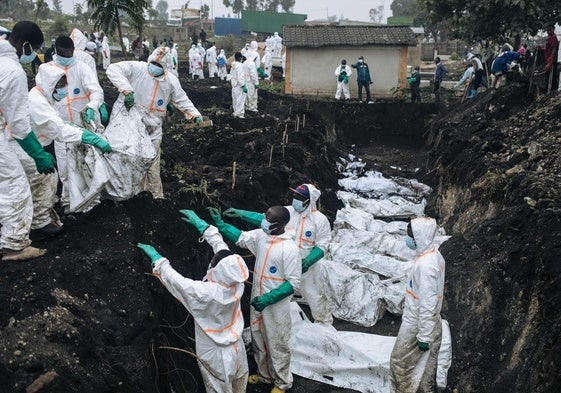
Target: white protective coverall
201, 51
267, 61
214, 304
83, 91
238, 79
80, 41
277, 41
151, 96
174, 60
211, 60
311, 228
222, 71
16, 206
277, 260
252, 82
48, 126
421, 316
254, 53
196, 64
343, 87
105, 52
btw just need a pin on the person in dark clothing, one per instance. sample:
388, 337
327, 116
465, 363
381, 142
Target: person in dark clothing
155, 42
194, 38
415, 84
202, 36
363, 79
439, 74
50, 52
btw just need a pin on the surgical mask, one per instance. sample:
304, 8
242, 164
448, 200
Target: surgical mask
26, 59
410, 242
154, 70
59, 93
298, 205
266, 226
64, 61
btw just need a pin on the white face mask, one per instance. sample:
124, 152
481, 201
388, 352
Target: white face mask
298, 205
26, 59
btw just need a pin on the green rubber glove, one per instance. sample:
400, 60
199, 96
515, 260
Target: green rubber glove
44, 162
198, 119
129, 100
423, 346
244, 88
230, 232
315, 255
103, 114
256, 87
410, 80
262, 73
89, 115
90, 138
253, 218
191, 217
274, 296
169, 109
150, 252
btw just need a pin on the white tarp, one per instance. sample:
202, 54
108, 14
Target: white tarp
350, 360
391, 207
133, 153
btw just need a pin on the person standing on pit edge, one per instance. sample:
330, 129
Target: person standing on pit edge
439, 74
415, 84
363, 79
342, 72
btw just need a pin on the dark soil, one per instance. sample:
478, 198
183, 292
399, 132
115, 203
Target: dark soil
91, 311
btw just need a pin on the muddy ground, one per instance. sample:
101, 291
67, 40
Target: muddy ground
90, 311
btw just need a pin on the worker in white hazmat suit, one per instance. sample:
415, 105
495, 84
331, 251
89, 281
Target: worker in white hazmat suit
105, 52
312, 234
211, 61
343, 72
419, 337
81, 104
16, 206
151, 87
252, 82
277, 47
80, 41
196, 65
267, 62
51, 86
215, 304
253, 53
174, 60
221, 62
276, 276
239, 86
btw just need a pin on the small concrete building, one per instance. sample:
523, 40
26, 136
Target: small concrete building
313, 53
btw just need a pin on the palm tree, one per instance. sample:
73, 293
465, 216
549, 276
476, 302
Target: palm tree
107, 14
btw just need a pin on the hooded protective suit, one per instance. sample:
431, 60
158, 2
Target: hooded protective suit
16, 207
80, 41
105, 52
277, 260
252, 81
83, 91
196, 64
211, 60
174, 60
238, 79
277, 40
152, 95
342, 83
267, 61
421, 316
311, 229
221, 63
214, 304
48, 126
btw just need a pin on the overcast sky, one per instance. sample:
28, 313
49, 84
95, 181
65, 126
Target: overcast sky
315, 9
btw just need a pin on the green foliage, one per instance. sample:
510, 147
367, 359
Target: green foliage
162, 8
42, 10
211, 198
259, 5
17, 9
454, 56
476, 20
404, 7
60, 26
205, 11
226, 43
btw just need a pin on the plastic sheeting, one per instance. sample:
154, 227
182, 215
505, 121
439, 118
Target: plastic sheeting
133, 154
351, 360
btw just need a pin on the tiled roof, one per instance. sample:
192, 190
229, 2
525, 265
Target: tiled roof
317, 36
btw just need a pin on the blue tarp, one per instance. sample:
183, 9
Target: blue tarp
225, 26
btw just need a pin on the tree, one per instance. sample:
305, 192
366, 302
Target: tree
106, 15
404, 7
57, 7
205, 11
287, 5
59, 26
42, 10
162, 8
259, 5
376, 14
236, 5
475, 20
153, 14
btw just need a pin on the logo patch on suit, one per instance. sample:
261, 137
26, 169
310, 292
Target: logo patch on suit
160, 102
76, 90
411, 284
273, 269
308, 233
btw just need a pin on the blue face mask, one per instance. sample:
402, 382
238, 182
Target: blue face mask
298, 205
26, 59
266, 226
60, 93
410, 242
154, 70
64, 61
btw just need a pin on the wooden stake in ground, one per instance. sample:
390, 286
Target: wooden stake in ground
297, 123
282, 143
304, 121
271, 156
233, 175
